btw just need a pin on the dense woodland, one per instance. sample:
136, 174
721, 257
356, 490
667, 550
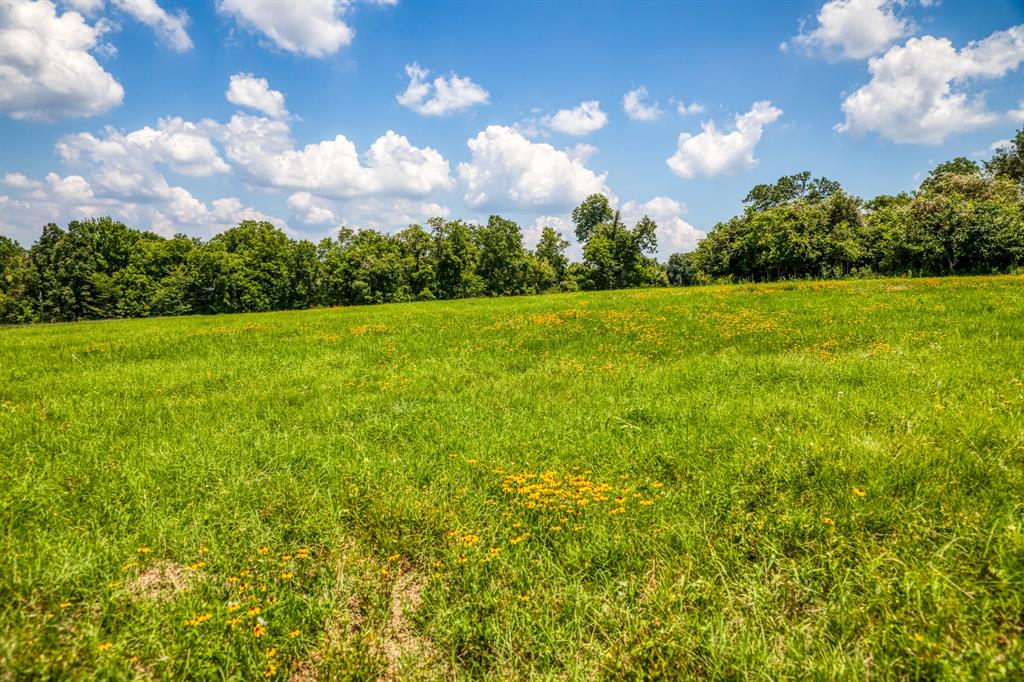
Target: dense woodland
964, 218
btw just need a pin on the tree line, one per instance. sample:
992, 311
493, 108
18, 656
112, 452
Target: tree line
964, 218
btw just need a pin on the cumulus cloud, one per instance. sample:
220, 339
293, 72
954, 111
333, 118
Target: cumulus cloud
918, 91
310, 210
46, 69
713, 152
33, 203
855, 29
674, 233
634, 103
263, 149
507, 169
246, 90
170, 28
691, 108
581, 120
441, 97
314, 29
125, 164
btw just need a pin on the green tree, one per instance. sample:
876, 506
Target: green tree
1008, 161
455, 259
501, 263
418, 248
595, 210
551, 249
790, 188
614, 255
680, 270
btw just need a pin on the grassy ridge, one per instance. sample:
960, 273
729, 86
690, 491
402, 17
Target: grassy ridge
776, 480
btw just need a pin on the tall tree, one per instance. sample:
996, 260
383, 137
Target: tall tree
502, 260
551, 250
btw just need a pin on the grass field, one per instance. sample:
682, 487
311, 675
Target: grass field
795, 480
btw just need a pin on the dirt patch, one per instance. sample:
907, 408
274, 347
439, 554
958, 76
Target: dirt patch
386, 641
401, 642
161, 581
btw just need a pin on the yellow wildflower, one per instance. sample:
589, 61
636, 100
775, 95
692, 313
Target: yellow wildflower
295, 633
258, 630
201, 618
143, 550
859, 492
105, 645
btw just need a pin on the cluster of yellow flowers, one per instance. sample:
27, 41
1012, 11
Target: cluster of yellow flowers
569, 493
744, 321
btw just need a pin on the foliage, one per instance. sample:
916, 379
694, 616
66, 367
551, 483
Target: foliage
103, 269
614, 256
1008, 161
961, 220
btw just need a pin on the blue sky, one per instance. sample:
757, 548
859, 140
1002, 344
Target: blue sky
122, 107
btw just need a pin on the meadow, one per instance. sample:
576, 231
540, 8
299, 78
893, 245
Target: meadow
792, 480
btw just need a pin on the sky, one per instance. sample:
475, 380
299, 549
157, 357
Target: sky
188, 117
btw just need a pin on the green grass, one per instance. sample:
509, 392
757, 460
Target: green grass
741, 424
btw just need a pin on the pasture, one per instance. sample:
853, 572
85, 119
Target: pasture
775, 481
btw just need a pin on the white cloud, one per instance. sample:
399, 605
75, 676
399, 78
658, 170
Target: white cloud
314, 28
246, 90
532, 233
999, 144
691, 108
674, 233
441, 97
586, 118
263, 149
310, 210
917, 91
506, 169
62, 199
855, 29
388, 213
171, 28
20, 181
125, 163
635, 105
712, 152
46, 69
